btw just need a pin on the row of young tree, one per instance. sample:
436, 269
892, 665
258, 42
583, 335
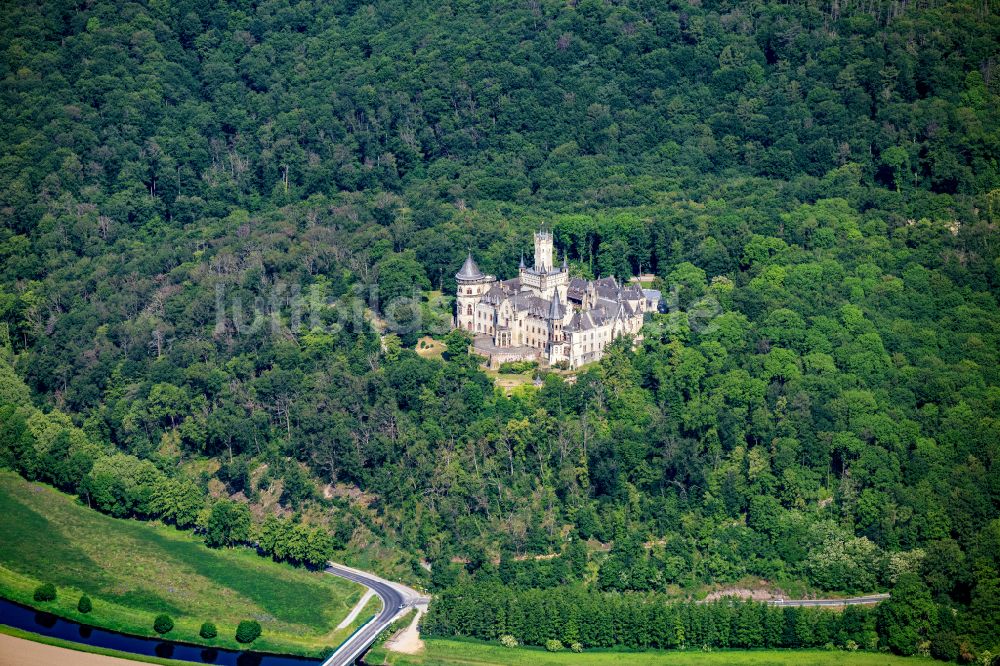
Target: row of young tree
907, 623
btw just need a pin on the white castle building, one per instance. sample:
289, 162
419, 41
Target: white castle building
544, 315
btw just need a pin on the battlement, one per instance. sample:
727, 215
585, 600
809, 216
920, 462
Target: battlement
543, 252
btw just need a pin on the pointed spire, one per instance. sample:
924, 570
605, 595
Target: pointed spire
470, 271
522, 259
556, 310
565, 261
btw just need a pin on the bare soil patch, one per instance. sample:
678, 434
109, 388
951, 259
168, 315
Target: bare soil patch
22, 652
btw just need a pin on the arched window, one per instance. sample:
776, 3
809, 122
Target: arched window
468, 309
468, 290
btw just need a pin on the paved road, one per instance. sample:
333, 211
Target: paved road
395, 598
853, 601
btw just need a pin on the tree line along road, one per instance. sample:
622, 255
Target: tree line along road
396, 598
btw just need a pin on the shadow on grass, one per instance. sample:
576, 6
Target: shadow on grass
38, 538
25, 533
285, 600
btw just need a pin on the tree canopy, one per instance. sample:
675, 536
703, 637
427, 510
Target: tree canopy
226, 229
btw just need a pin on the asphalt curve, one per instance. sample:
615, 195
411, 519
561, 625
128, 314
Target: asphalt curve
395, 598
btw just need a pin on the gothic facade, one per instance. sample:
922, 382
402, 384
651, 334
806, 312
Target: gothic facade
545, 315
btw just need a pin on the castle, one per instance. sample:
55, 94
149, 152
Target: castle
544, 315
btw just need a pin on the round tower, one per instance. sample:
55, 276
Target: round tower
471, 285
556, 315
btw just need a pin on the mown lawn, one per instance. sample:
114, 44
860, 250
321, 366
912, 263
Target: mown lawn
134, 571
458, 653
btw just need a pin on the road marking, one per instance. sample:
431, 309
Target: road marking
394, 596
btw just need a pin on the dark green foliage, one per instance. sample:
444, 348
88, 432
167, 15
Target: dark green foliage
984, 612
285, 540
163, 624
400, 275
297, 486
236, 475
17, 444
601, 620
208, 630
45, 592
63, 466
516, 367
228, 524
908, 617
815, 185
85, 605
248, 631
122, 485
444, 574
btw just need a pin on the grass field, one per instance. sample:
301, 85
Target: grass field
134, 571
462, 653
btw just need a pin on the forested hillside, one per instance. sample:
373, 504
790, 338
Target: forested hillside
200, 200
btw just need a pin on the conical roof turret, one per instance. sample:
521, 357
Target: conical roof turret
470, 271
556, 310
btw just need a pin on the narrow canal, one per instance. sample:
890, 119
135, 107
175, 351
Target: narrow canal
39, 622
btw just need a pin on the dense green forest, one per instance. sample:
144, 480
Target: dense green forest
534, 617
210, 210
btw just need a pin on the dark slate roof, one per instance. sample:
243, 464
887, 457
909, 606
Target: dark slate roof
494, 295
469, 270
586, 320
632, 292
525, 301
576, 289
511, 286
556, 309
607, 288
613, 302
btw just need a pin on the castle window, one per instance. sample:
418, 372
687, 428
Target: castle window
468, 290
469, 310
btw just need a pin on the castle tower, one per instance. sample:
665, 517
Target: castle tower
556, 315
471, 285
543, 251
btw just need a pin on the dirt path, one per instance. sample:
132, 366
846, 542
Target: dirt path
408, 640
357, 609
21, 652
